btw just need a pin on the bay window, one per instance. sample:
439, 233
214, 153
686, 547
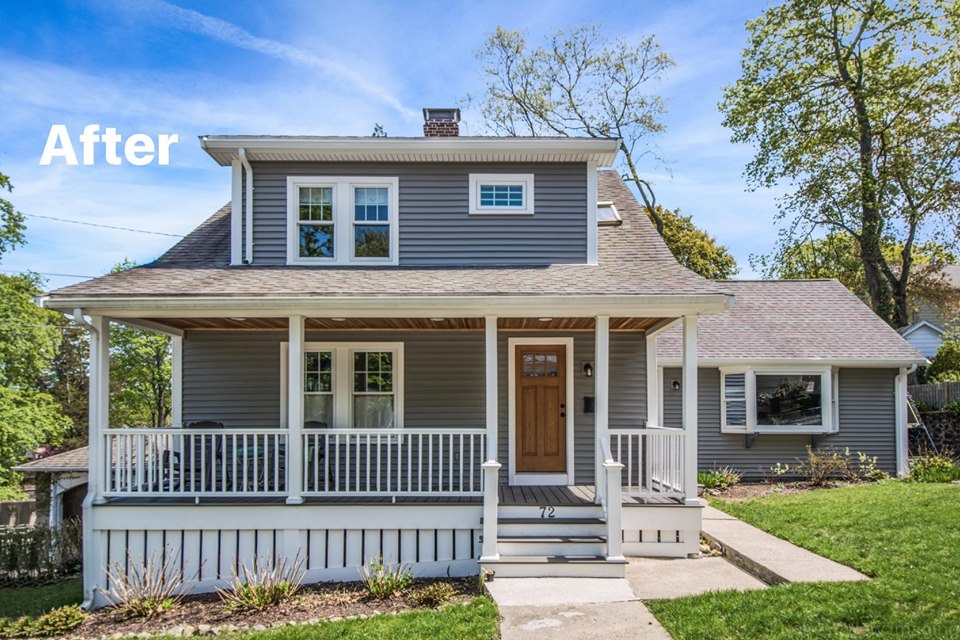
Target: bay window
761, 400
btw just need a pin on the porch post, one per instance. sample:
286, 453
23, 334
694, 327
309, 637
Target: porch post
296, 332
653, 383
601, 377
491, 468
690, 408
901, 411
99, 405
176, 382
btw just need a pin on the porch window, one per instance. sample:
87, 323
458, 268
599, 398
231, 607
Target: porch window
373, 390
342, 221
504, 193
779, 401
318, 387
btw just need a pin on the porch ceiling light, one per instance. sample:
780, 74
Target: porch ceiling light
544, 319
238, 319
438, 319
338, 319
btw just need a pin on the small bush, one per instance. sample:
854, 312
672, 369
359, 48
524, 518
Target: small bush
56, 622
934, 468
37, 555
434, 595
719, 478
146, 589
822, 466
383, 580
263, 585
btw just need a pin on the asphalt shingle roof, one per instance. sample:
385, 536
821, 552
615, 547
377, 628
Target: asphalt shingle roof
73, 460
633, 260
792, 319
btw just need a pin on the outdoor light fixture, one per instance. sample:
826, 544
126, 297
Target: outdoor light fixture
544, 319
588, 369
676, 385
338, 319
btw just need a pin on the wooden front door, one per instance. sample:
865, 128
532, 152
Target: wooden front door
541, 408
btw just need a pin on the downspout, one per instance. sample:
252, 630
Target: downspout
903, 420
247, 205
93, 448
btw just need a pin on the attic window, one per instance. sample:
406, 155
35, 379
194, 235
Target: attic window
501, 193
607, 215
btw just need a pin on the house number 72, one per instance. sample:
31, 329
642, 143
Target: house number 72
547, 512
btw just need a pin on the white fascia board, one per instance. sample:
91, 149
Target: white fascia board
798, 362
224, 149
410, 306
147, 325
923, 323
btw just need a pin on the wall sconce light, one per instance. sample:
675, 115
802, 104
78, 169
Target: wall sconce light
588, 369
676, 385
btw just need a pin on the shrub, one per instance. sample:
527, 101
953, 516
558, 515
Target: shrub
934, 468
434, 595
32, 555
823, 465
56, 622
263, 585
383, 580
719, 478
146, 589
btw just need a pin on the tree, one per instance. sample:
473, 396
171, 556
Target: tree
29, 335
855, 104
694, 248
28, 419
837, 255
11, 221
945, 366
68, 381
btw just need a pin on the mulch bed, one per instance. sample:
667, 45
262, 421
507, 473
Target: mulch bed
316, 602
751, 491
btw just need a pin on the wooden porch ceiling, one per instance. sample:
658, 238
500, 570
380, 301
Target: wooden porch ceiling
398, 324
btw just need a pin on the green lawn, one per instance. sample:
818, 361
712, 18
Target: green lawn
905, 536
32, 601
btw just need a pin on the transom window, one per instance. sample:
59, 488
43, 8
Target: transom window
350, 385
501, 193
342, 220
779, 401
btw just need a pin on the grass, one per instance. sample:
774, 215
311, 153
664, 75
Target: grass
33, 601
904, 535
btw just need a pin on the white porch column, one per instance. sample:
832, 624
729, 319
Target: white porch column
296, 332
176, 382
491, 468
690, 407
492, 392
902, 417
601, 381
99, 415
653, 383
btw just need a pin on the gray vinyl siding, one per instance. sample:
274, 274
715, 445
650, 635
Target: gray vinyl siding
435, 228
234, 378
867, 424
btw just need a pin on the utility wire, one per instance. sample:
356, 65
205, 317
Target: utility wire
44, 273
103, 226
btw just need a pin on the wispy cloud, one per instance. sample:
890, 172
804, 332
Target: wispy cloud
229, 33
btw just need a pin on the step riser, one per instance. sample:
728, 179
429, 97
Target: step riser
506, 530
559, 511
558, 570
551, 548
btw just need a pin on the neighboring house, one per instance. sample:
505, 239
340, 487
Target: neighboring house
438, 350
795, 363
927, 332
60, 483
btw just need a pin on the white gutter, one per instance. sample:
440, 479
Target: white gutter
248, 205
819, 362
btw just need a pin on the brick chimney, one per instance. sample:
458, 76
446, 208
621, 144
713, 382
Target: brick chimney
441, 123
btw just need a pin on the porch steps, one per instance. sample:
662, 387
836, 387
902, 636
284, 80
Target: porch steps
531, 543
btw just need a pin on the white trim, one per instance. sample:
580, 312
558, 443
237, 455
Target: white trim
653, 382
690, 404
148, 325
537, 478
236, 210
525, 180
902, 421
864, 363
176, 382
491, 386
342, 376
247, 207
296, 331
601, 393
593, 249
905, 331
829, 399
343, 218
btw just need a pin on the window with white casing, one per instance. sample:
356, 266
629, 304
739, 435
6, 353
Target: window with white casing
779, 400
342, 221
350, 385
501, 193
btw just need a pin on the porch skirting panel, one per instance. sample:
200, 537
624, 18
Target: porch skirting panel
661, 531
206, 545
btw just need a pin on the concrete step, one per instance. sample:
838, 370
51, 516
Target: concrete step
551, 527
541, 566
551, 545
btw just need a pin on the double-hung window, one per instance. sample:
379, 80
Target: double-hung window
350, 385
772, 400
501, 193
342, 221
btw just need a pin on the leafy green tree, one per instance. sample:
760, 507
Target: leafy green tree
945, 366
11, 221
28, 419
855, 105
582, 83
68, 381
694, 248
29, 335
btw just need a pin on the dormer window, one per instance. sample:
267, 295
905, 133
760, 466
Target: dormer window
501, 193
342, 221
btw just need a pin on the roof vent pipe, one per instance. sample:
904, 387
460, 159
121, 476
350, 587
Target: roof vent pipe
247, 205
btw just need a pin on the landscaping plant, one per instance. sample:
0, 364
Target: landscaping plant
822, 466
719, 479
36, 555
934, 468
434, 595
146, 589
263, 584
383, 580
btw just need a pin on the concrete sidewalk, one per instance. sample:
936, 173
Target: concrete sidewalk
771, 559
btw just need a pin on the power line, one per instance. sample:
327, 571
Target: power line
104, 226
45, 273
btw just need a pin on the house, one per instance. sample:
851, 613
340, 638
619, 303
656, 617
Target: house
440, 350
794, 363
929, 325
60, 485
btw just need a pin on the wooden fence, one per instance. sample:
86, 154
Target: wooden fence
18, 513
935, 396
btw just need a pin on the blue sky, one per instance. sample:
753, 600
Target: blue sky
333, 68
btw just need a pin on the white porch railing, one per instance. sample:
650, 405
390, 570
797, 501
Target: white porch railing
653, 461
609, 494
194, 462
402, 462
